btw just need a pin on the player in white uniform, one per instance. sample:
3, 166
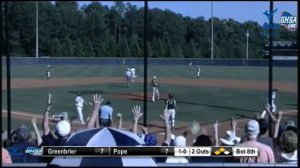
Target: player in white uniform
79, 105
155, 93
198, 71
133, 74
48, 73
274, 93
128, 76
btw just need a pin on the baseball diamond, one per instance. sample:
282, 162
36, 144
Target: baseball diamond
222, 91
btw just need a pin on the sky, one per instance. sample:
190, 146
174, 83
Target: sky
240, 11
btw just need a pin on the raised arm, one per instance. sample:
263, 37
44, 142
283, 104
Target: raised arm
165, 117
136, 115
233, 126
216, 136
97, 121
97, 102
36, 131
145, 130
46, 128
268, 109
277, 124
120, 120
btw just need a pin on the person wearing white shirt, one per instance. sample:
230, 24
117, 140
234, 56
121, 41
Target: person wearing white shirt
133, 74
180, 141
198, 71
79, 105
128, 76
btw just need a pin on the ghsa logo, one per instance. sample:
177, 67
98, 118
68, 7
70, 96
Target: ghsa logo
289, 21
34, 151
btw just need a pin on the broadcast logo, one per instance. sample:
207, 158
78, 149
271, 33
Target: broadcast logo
34, 151
289, 21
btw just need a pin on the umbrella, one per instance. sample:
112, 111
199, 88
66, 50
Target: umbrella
104, 137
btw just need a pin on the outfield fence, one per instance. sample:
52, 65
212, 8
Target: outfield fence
151, 61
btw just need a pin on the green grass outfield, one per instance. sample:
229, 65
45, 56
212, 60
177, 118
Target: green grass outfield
204, 104
219, 72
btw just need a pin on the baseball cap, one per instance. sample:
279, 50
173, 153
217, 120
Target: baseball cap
289, 123
230, 139
154, 77
63, 128
180, 141
252, 128
150, 140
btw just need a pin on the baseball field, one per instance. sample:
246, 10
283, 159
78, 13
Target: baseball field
220, 93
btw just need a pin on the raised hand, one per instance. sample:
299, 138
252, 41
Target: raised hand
97, 99
216, 124
119, 115
233, 123
49, 102
49, 99
136, 112
268, 107
33, 120
165, 116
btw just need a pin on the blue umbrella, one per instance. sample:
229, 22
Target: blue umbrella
105, 137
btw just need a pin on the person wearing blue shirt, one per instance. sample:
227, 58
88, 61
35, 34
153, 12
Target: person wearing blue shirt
105, 115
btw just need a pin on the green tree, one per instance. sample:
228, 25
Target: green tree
55, 48
89, 49
95, 27
79, 52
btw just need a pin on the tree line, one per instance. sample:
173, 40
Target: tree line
96, 30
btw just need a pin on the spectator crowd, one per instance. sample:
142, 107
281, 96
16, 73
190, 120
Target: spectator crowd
280, 148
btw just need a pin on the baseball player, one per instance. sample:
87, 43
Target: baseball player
198, 71
155, 93
79, 105
171, 106
128, 76
48, 71
274, 93
133, 74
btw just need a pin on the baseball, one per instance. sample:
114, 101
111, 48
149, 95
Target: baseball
195, 128
119, 115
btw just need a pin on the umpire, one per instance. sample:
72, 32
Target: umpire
105, 115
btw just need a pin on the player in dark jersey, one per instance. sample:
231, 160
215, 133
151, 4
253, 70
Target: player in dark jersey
171, 106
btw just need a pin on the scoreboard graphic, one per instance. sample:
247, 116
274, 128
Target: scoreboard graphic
221, 152
157, 151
